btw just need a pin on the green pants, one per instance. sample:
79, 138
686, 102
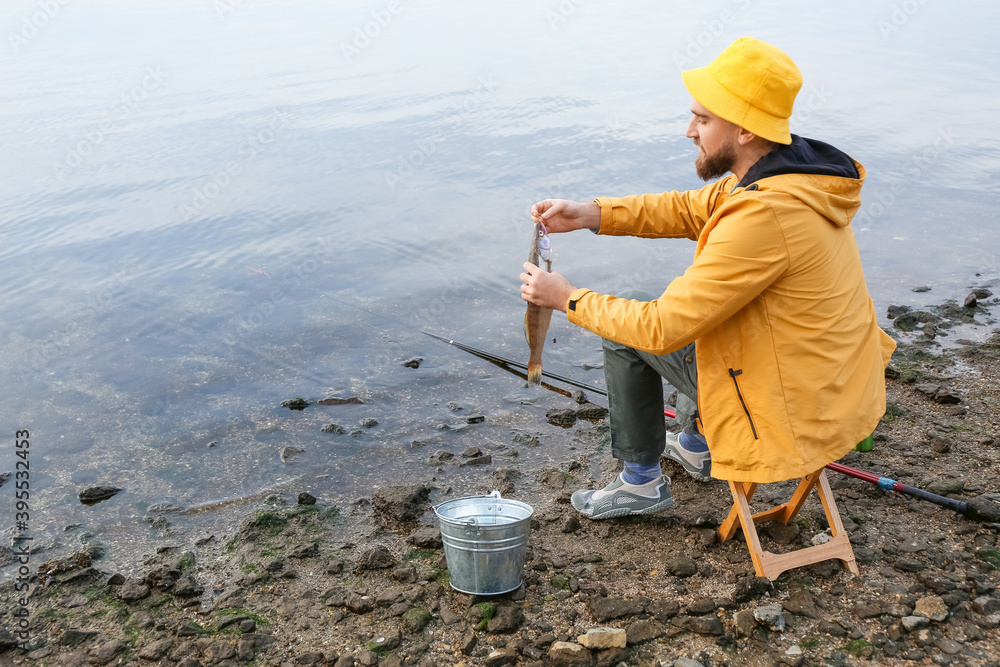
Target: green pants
635, 395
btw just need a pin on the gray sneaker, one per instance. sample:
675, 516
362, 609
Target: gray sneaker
620, 499
697, 464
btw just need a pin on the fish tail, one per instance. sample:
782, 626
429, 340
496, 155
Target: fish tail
534, 373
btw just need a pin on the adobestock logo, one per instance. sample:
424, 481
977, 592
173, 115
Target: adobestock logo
364, 35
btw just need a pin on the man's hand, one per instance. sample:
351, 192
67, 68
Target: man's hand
563, 215
548, 290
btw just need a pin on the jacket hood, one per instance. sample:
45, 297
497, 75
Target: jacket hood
820, 175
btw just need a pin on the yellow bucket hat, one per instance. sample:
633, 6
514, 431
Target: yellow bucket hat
751, 84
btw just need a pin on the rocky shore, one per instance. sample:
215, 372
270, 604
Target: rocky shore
302, 583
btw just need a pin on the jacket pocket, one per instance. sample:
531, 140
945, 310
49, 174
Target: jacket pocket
746, 410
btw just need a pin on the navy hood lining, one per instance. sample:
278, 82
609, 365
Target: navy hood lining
802, 156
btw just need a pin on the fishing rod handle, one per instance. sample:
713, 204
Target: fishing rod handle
956, 505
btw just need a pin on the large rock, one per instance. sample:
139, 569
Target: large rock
402, 504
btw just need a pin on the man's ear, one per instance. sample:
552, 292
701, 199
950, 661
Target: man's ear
744, 137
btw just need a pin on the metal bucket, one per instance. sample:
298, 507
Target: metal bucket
485, 539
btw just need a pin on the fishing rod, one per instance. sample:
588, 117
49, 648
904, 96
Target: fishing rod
489, 356
975, 508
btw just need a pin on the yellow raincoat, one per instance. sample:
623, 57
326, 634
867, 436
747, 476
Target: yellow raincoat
790, 356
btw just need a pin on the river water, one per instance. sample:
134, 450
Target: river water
208, 207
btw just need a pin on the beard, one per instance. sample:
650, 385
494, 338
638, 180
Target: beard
717, 164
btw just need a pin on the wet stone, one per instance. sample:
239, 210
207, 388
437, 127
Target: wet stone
334, 428
295, 404
369, 422
96, 494
289, 452
485, 459
335, 400
561, 417
413, 362
439, 457
591, 412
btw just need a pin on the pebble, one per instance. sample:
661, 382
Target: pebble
771, 615
413, 362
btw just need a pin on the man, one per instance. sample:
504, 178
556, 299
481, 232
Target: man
770, 335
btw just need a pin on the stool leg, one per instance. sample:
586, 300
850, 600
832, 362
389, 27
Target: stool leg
732, 522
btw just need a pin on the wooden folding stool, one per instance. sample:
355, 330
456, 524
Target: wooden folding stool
771, 565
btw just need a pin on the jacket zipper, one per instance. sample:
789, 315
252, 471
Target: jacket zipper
746, 410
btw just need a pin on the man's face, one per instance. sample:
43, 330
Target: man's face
716, 142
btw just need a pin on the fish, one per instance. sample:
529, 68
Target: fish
536, 319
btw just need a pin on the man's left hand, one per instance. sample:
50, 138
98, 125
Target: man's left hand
548, 290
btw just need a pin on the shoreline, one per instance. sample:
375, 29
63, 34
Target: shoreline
311, 584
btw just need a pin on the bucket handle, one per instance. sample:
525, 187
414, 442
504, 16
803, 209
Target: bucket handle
495, 493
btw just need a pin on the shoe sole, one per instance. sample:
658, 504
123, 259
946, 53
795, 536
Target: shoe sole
624, 511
